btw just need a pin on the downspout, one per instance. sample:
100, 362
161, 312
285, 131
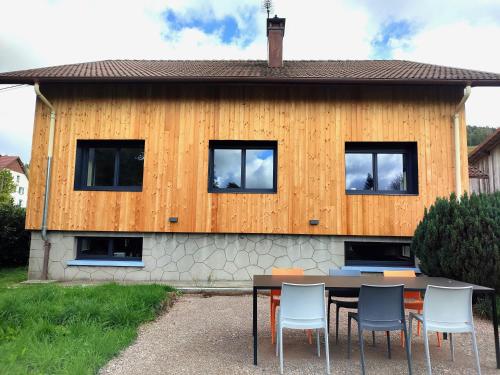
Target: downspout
50, 150
456, 130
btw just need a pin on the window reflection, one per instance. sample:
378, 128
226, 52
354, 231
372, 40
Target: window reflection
359, 171
391, 172
259, 169
227, 169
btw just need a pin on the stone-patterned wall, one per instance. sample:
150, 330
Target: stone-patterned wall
195, 257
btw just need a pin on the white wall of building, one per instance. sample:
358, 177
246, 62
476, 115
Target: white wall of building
20, 196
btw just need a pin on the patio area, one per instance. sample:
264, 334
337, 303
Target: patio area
213, 335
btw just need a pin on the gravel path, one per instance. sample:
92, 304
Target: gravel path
213, 335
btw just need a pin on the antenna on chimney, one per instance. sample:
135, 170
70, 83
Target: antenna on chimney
267, 6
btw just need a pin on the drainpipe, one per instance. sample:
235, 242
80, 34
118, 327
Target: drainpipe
456, 129
50, 150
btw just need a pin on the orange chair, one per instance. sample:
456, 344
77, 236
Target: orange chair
275, 298
413, 300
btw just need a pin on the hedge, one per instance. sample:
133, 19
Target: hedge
14, 239
460, 239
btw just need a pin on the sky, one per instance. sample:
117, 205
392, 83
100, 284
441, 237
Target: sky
37, 33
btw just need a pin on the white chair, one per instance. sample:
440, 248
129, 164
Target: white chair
302, 306
447, 310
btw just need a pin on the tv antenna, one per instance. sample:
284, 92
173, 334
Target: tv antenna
267, 6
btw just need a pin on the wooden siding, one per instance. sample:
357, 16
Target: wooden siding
310, 123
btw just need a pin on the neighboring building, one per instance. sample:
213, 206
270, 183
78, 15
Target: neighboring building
486, 158
18, 172
219, 170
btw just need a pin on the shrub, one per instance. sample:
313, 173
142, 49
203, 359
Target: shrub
460, 239
14, 239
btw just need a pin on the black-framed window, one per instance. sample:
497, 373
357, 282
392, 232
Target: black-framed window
109, 248
381, 168
379, 254
243, 166
109, 165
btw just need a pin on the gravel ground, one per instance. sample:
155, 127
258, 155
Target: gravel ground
213, 335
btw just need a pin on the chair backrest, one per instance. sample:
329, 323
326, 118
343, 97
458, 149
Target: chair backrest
302, 301
448, 305
283, 272
340, 272
347, 273
381, 303
287, 271
408, 273
404, 273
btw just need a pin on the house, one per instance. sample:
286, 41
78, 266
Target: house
219, 170
16, 168
486, 159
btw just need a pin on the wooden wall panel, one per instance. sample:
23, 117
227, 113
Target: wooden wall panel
310, 123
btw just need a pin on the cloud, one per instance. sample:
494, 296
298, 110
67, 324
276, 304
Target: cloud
35, 33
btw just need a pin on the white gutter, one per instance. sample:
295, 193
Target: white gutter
50, 152
456, 130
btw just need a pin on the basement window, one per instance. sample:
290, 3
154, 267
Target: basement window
381, 168
109, 248
242, 167
379, 254
109, 165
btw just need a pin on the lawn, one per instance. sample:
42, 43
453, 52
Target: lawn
52, 329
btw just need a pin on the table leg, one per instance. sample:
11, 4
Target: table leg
495, 326
255, 326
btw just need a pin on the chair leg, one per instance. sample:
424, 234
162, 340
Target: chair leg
361, 349
452, 348
410, 328
388, 335
317, 342
408, 353
373, 338
277, 342
418, 323
349, 321
427, 355
328, 313
327, 352
438, 339
280, 338
273, 322
309, 336
476, 352
337, 324
401, 339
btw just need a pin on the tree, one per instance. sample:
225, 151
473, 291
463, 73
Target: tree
460, 239
369, 182
477, 134
7, 187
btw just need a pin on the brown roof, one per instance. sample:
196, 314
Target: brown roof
475, 172
13, 163
328, 71
485, 147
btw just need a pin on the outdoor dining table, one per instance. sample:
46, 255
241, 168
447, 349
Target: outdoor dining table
268, 282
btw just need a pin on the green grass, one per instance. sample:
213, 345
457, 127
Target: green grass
10, 276
51, 329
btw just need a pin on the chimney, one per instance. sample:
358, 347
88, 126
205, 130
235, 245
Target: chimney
275, 33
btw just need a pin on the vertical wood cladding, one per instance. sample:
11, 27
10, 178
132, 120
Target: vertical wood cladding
310, 123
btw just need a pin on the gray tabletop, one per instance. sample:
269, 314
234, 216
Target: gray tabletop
354, 282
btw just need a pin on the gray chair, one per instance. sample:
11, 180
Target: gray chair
339, 303
380, 308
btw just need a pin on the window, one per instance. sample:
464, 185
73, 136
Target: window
109, 165
382, 254
381, 168
243, 166
20, 203
17, 179
21, 190
109, 248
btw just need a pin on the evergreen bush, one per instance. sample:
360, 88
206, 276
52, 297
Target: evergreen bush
14, 239
460, 239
